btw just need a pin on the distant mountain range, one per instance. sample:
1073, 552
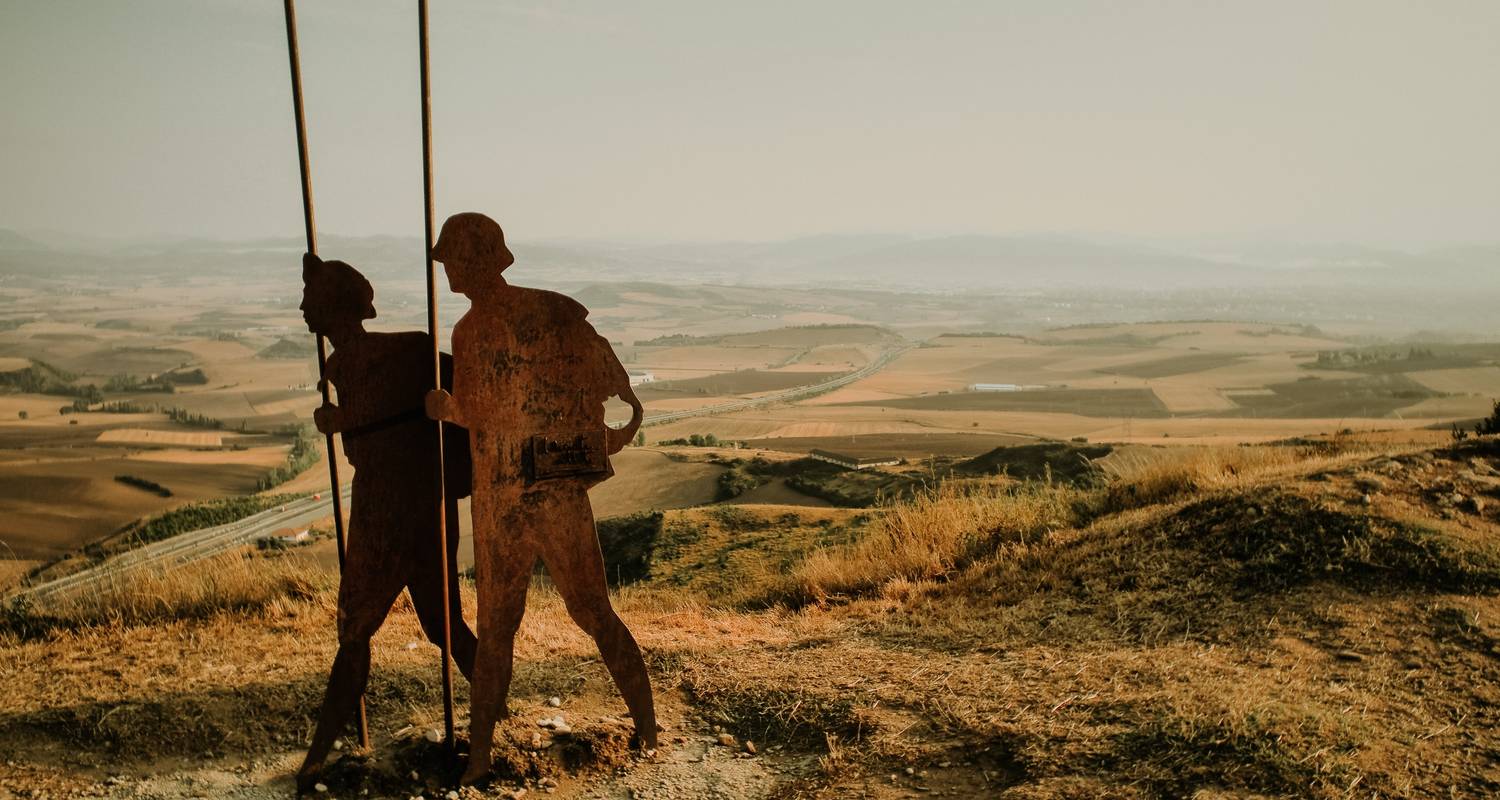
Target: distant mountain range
889, 260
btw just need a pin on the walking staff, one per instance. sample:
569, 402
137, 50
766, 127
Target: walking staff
437, 366
312, 248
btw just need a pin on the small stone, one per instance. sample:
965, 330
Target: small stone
555, 702
413, 645
562, 730
727, 740
433, 735
1348, 655
1366, 500
545, 782
452, 795
750, 747
338, 744
944, 764
320, 788
536, 741
910, 771
414, 776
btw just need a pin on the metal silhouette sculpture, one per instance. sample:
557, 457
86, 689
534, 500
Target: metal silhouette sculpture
382, 380
531, 377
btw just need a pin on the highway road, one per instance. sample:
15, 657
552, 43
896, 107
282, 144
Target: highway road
190, 546
199, 544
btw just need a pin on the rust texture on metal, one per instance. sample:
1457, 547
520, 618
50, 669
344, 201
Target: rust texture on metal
531, 373
381, 380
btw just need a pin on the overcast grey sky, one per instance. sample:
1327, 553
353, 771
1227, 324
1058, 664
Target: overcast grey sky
1358, 121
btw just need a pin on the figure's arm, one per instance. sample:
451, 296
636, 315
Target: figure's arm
619, 437
440, 403
328, 418
443, 406
620, 387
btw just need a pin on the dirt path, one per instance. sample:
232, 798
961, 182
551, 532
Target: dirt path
698, 768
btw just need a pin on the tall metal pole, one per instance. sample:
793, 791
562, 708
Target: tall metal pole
437, 372
312, 247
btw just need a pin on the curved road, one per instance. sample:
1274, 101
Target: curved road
206, 542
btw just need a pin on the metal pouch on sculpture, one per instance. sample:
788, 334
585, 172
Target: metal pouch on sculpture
567, 456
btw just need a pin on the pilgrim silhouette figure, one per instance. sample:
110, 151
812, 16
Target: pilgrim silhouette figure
531, 377
381, 380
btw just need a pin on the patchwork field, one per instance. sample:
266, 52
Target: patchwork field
224, 358
137, 436
52, 507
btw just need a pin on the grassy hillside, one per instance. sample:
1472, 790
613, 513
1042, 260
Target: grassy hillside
1316, 619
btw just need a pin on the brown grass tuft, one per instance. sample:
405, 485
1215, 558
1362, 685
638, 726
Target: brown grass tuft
1160, 475
931, 535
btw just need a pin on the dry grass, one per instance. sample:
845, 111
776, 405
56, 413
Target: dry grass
232, 582
933, 534
1269, 636
1148, 476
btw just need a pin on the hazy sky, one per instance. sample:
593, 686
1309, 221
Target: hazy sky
1359, 121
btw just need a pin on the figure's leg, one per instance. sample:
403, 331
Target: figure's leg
427, 599
366, 593
570, 549
503, 571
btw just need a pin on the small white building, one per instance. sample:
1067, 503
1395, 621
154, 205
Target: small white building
640, 376
1006, 387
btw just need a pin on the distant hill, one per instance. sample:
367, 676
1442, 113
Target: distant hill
10, 240
302, 347
968, 261
1009, 260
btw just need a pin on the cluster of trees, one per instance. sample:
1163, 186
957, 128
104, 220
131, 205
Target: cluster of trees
44, 378
184, 417
304, 454
207, 514
131, 383
1334, 358
701, 440
143, 483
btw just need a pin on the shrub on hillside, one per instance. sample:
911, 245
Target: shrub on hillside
1490, 425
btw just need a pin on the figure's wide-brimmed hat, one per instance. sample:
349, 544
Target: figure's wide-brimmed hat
339, 284
473, 238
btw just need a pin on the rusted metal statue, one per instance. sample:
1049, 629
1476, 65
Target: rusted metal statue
381, 380
531, 377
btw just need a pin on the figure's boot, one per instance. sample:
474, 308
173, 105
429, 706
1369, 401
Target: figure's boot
487, 704
622, 656
346, 682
